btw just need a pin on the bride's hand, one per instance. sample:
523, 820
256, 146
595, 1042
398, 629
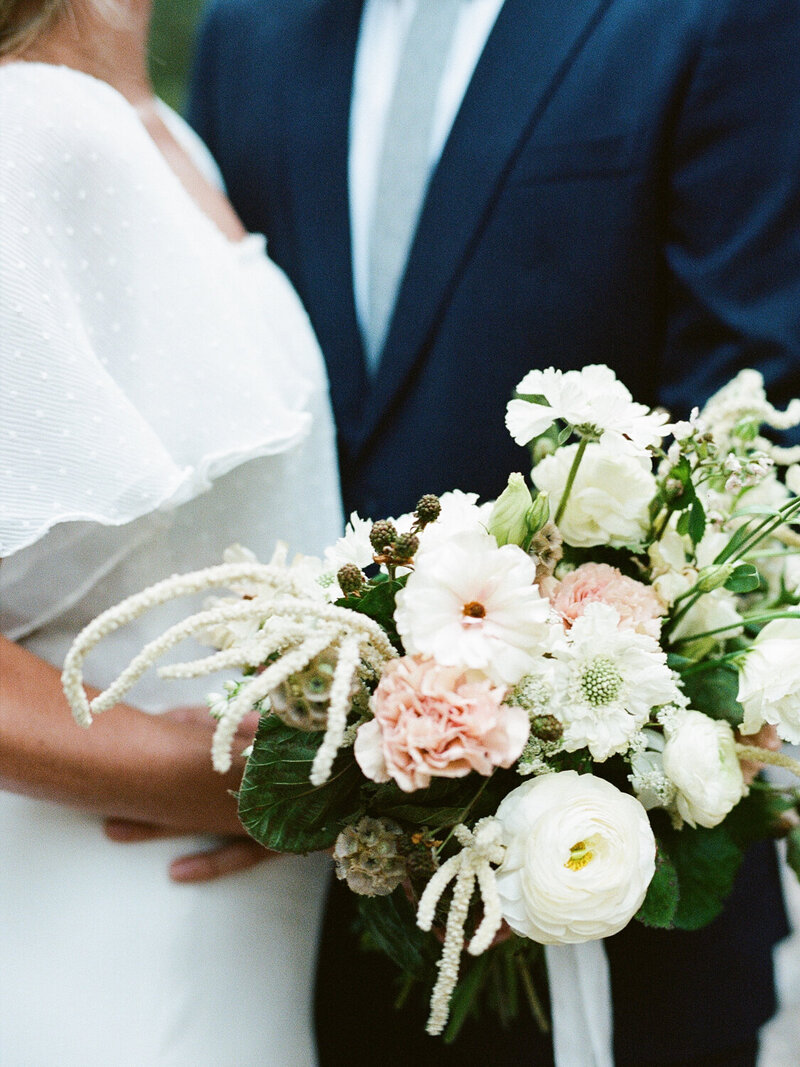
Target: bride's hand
231, 856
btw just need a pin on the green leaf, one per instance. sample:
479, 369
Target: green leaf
706, 862
441, 804
390, 926
714, 692
378, 603
793, 850
697, 521
744, 579
421, 816
739, 537
464, 1001
278, 805
663, 894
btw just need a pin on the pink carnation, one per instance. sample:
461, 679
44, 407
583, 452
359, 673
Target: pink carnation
437, 722
638, 606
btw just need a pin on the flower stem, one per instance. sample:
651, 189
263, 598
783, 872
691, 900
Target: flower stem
534, 1002
766, 755
737, 625
570, 479
462, 818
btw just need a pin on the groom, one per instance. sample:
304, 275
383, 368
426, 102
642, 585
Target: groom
462, 190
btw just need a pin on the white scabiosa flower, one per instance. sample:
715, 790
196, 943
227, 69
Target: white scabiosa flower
472, 604
353, 547
609, 500
608, 680
579, 857
592, 400
769, 680
700, 760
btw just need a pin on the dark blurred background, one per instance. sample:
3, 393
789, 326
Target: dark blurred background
171, 42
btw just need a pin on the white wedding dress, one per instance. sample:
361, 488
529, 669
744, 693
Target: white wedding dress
161, 396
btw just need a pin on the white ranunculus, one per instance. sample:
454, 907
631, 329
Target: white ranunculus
579, 857
769, 680
610, 497
701, 762
469, 603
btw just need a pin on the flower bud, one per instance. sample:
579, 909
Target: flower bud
713, 576
428, 509
350, 579
508, 522
538, 513
382, 535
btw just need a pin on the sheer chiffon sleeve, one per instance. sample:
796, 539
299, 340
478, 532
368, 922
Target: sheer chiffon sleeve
142, 355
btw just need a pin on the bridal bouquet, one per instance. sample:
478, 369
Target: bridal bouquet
530, 713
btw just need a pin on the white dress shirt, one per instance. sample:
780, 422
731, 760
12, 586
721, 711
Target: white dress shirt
384, 25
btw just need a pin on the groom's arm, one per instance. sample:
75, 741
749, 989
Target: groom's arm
732, 225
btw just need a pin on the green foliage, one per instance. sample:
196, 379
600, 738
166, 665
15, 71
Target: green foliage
661, 903
278, 805
172, 32
744, 579
707, 860
793, 850
440, 806
714, 692
378, 602
389, 925
693, 518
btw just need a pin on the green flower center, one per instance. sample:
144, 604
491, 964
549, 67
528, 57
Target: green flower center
600, 681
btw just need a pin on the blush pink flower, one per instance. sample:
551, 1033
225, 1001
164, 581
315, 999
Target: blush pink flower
437, 722
636, 604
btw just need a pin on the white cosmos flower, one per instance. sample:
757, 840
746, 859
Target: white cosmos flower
700, 760
579, 857
607, 682
610, 498
769, 681
472, 604
592, 400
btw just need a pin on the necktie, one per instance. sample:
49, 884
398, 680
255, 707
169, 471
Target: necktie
404, 166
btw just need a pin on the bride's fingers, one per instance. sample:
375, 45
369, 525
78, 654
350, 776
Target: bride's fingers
127, 832
229, 858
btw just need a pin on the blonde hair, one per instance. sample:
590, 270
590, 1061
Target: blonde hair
23, 21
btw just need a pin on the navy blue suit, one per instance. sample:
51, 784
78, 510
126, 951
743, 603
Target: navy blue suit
621, 185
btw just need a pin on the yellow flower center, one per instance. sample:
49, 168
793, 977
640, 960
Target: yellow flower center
580, 855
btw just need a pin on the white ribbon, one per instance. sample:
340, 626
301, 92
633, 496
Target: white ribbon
580, 1004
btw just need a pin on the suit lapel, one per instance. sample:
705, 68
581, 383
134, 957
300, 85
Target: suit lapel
317, 107
531, 45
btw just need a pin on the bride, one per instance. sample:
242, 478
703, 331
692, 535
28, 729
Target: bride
162, 396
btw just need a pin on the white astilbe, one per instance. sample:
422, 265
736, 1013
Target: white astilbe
744, 400
481, 848
292, 626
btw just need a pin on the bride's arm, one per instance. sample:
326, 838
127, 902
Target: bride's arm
128, 764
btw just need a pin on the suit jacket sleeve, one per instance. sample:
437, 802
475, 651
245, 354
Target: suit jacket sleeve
733, 231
